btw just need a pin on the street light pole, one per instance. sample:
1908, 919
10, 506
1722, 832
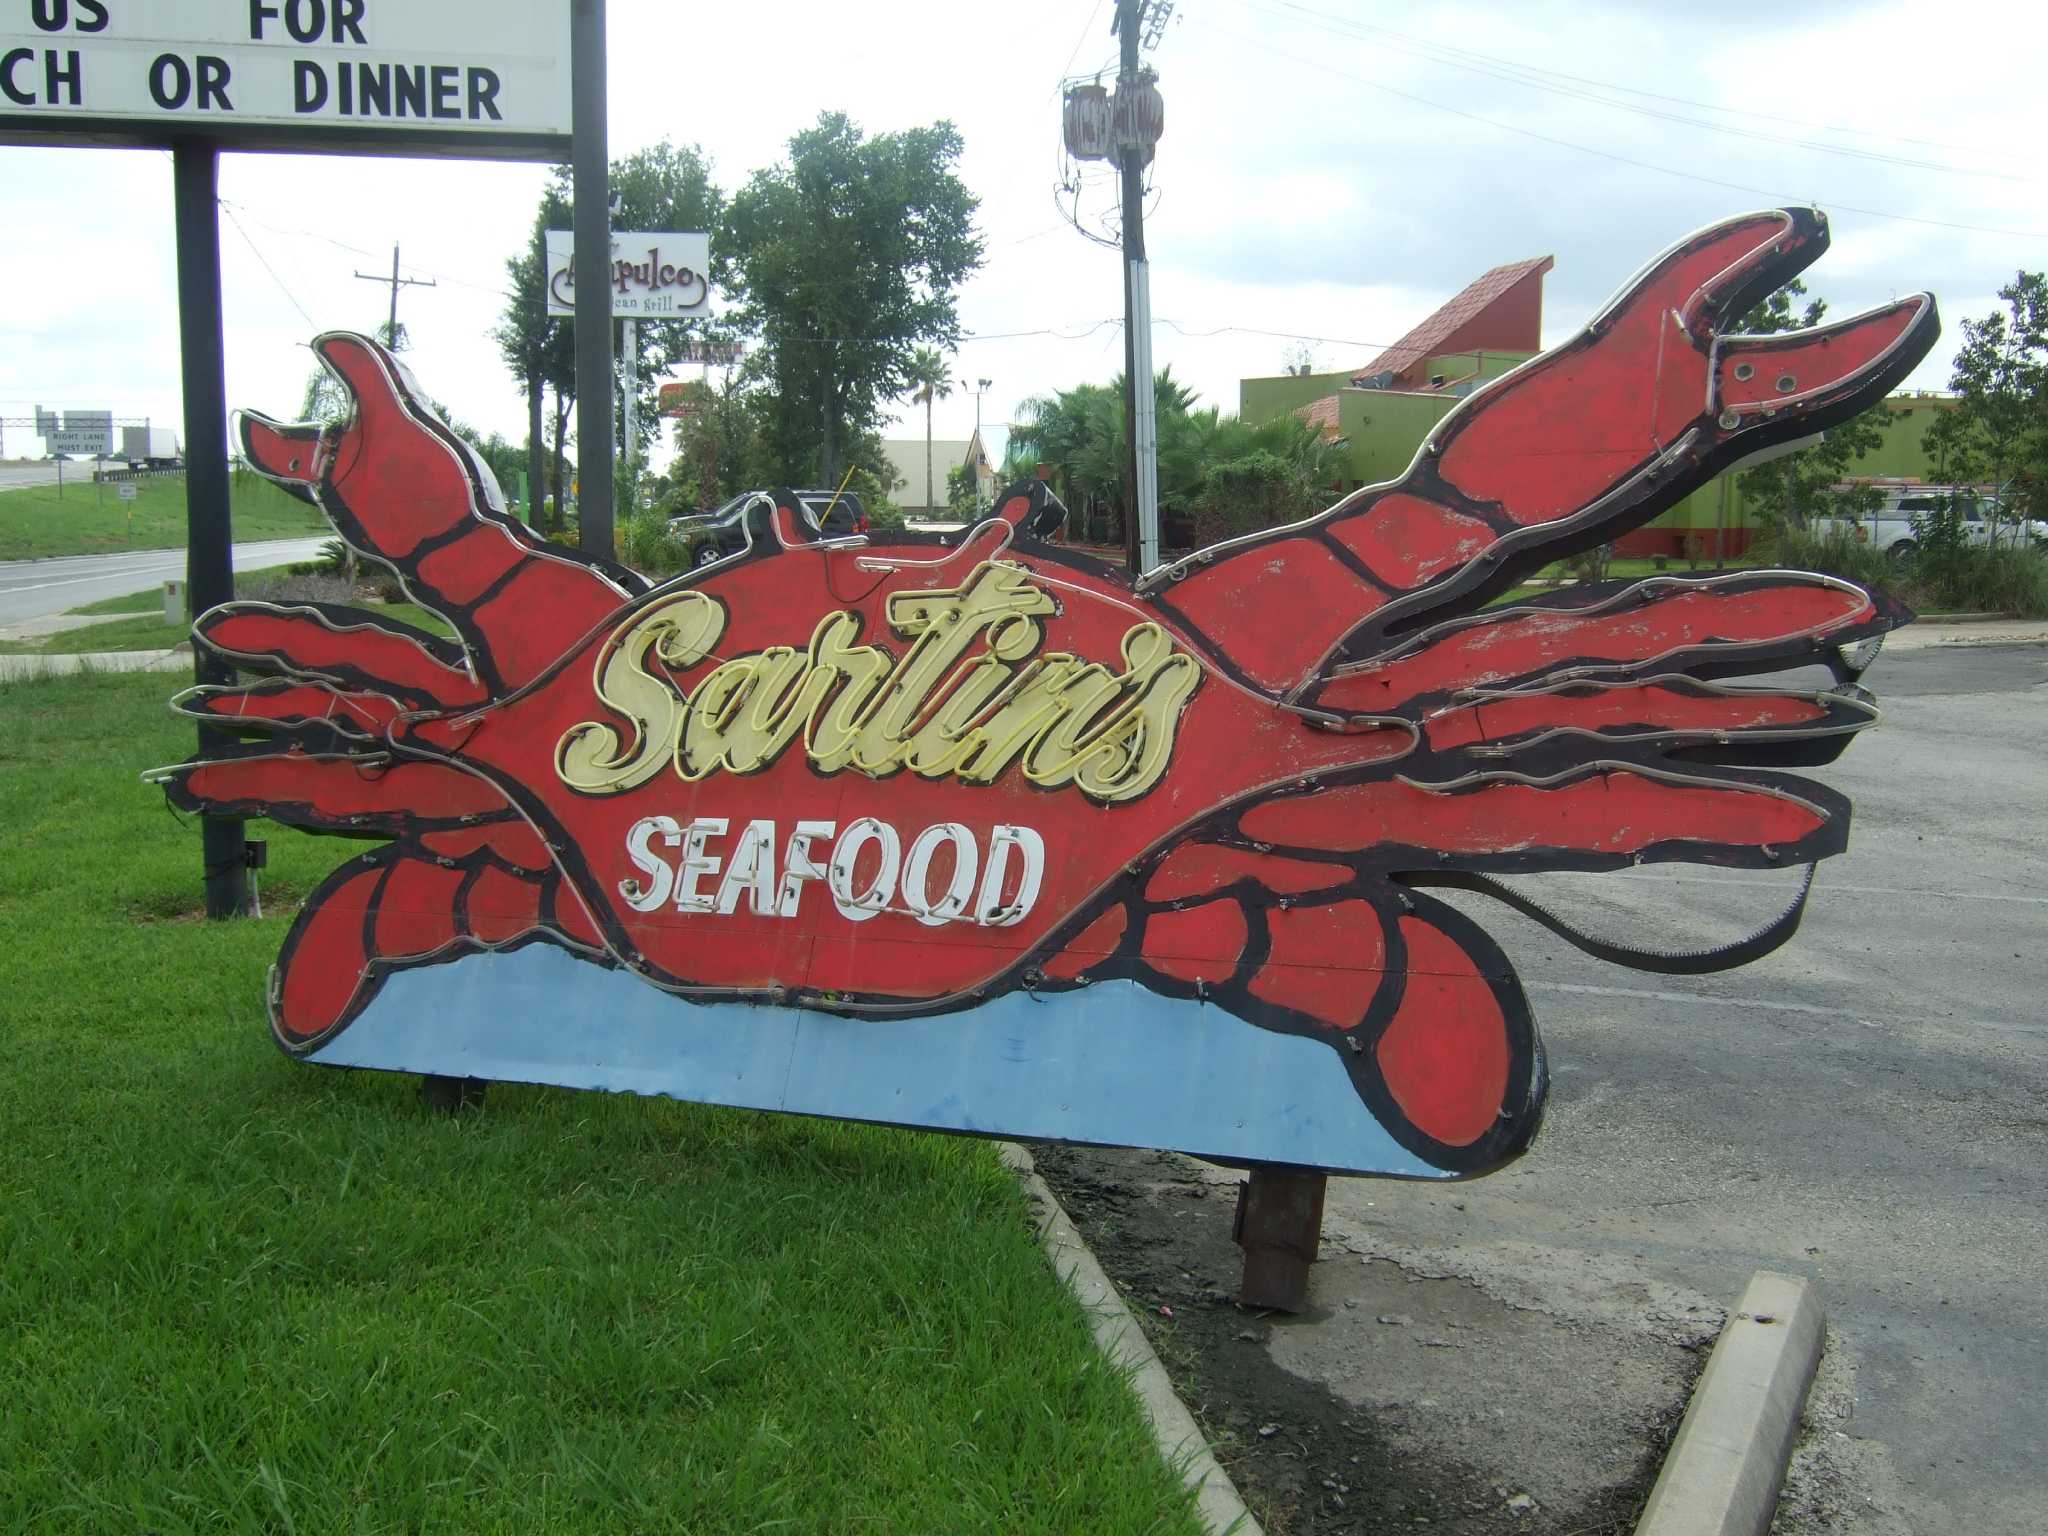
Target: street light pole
977, 388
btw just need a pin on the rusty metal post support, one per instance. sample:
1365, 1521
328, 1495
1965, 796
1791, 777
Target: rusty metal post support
452, 1095
1279, 1226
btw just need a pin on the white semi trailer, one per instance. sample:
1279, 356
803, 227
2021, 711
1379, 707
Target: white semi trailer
151, 448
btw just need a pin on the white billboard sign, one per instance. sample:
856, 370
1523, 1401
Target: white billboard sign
85, 433
652, 277
472, 77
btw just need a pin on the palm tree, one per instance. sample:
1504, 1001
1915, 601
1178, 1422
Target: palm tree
929, 381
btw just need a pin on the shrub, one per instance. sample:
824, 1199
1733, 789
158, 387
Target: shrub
646, 544
297, 587
1590, 565
1946, 575
1834, 553
1975, 579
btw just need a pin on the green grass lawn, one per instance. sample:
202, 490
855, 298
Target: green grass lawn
91, 520
151, 600
242, 1294
138, 624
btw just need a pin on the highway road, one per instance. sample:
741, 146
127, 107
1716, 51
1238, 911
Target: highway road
14, 477
31, 588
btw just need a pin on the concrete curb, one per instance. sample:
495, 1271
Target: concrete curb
1120, 1338
1728, 1462
70, 664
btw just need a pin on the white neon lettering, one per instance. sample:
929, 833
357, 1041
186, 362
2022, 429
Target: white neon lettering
646, 897
989, 908
992, 886
869, 903
696, 864
917, 874
751, 869
800, 864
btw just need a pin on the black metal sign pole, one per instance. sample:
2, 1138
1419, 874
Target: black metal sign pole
592, 172
209, 541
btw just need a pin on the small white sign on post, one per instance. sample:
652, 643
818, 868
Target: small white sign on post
652, 277
126, 490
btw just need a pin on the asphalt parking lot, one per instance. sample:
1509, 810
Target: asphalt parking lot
1868, 1106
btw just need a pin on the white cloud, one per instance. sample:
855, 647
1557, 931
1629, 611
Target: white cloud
1296, 191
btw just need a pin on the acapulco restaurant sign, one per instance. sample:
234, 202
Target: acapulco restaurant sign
652, 276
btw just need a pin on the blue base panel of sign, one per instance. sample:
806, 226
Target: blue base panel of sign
1165, 1072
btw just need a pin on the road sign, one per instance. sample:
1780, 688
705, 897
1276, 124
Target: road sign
87, 434
653, 276
464, 77
126, 490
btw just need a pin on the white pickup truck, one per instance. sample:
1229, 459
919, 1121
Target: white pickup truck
1890, 527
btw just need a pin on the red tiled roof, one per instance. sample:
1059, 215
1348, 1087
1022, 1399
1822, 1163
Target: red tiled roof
1322, 413
1428, 339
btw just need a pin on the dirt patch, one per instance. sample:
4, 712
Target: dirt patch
1399, 1401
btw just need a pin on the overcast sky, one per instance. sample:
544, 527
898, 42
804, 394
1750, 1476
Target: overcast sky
1331, 171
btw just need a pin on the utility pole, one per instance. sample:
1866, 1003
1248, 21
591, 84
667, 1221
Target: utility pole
396, 282
588, 179
209, 544
1132, 148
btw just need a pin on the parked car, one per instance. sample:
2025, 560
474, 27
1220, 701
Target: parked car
821, 514
1890, 527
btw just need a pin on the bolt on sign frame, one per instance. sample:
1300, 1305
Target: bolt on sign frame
465, 79
976, 833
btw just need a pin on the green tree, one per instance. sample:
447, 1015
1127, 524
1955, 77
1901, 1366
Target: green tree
963, 495
929, 381
541, 354
1226, 475
845, 259
1998, 430
721, 447
1079, 434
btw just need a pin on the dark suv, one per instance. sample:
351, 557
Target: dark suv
821, 515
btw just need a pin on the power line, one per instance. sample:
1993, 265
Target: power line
1515, 73
1621, 159
1087, 27
1630, 90
230, 212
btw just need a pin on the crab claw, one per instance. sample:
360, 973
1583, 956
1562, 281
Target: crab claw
291, 455
1764, 390
402, 487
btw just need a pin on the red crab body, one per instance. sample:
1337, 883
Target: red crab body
913, 781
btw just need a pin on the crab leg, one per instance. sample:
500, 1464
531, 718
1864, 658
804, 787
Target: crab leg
403, 905
1418, 1004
